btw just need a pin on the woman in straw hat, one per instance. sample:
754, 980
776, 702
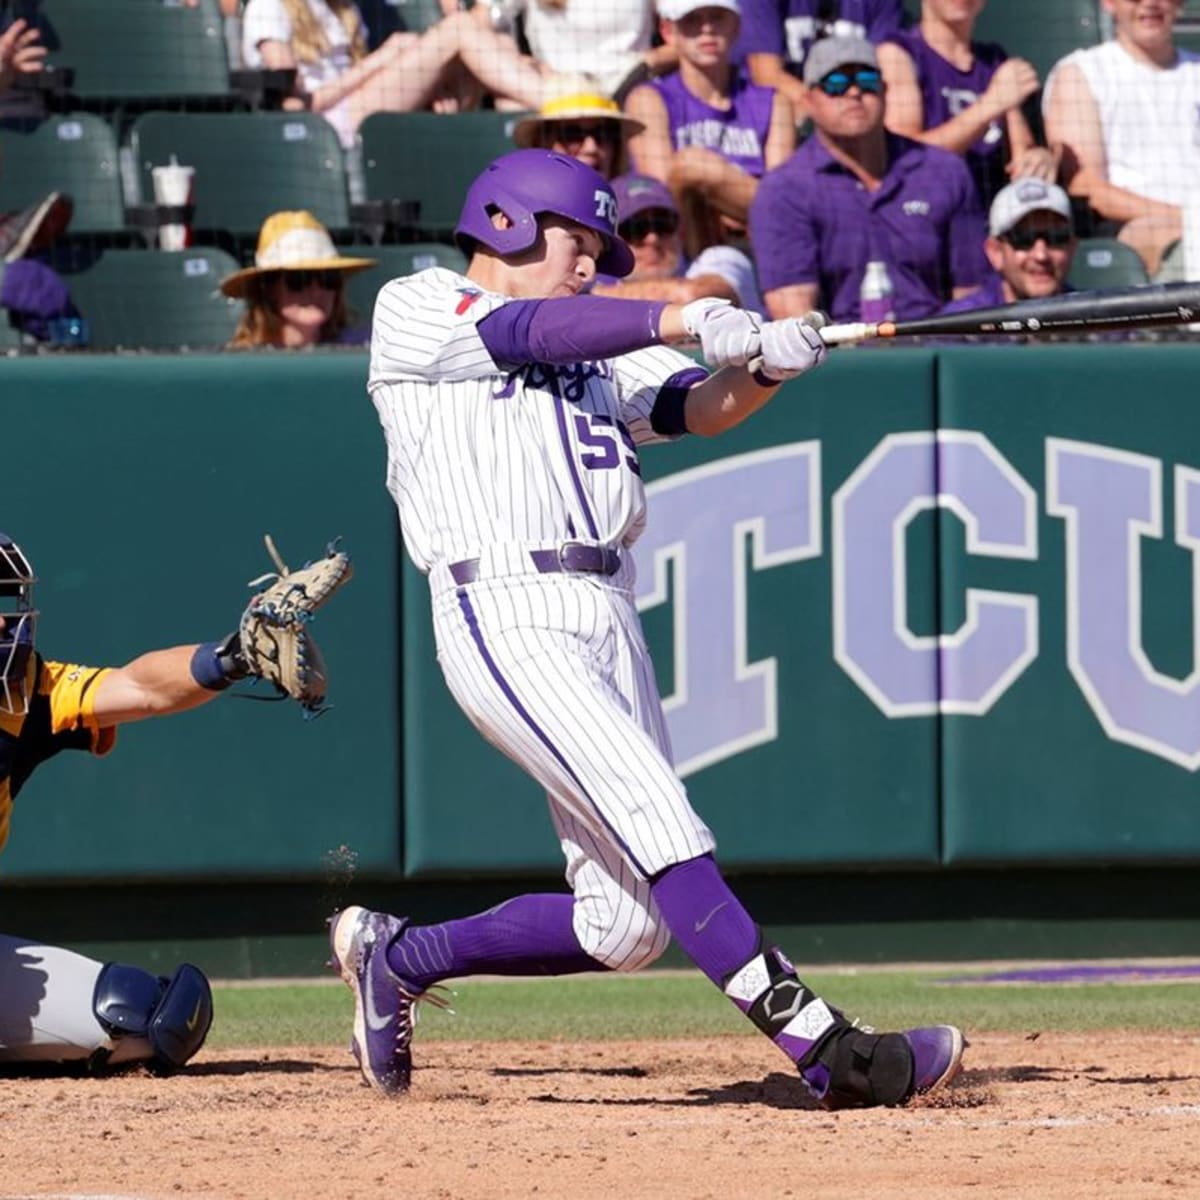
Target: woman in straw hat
295, 292
583, 125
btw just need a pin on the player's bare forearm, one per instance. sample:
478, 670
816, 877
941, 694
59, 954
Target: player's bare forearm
155, 684
1118, 203
725, 399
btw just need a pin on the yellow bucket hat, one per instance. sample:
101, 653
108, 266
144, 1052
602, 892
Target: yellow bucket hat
292, 241
574, 107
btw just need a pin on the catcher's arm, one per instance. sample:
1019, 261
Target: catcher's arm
155, 684
273, 640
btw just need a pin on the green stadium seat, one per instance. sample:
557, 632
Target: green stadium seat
248, 165
1039, 31
384, 17
1187, 26
139, 52
76, 154
10, 337
393, 261
1106, 262
431, 158
156, 300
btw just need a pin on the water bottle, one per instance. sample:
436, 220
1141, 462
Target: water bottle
69, 333
875, 297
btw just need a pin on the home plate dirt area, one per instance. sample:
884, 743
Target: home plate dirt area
1054, 1115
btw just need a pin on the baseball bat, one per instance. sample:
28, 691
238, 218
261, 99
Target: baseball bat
1071, 312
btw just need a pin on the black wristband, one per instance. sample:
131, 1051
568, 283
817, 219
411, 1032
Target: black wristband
215, 665
764, 380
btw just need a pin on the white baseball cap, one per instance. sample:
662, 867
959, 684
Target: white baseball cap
676, 10
1018, 199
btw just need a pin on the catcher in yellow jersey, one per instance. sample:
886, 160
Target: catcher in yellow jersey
56, 1005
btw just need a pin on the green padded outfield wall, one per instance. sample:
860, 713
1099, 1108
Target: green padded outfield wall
930, 606
140, 488
1092, 751
982, 649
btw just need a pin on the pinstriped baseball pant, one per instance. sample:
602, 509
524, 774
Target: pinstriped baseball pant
554, 671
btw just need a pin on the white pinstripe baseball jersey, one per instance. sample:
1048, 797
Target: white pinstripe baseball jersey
551, 668
478, 456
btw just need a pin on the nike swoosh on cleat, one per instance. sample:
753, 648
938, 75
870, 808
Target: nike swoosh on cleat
374, 1020
700, 925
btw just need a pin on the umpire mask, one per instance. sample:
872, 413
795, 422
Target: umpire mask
20, 621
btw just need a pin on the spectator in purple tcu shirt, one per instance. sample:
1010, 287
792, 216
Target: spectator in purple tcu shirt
1030, 245
776, 36
709, 132
853, 194
946, 90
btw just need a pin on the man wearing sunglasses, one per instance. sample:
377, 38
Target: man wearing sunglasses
648, 220
853, 194
777, 35
1030, 245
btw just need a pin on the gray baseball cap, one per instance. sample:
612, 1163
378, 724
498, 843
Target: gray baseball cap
1022, 197
636, 193
827, 54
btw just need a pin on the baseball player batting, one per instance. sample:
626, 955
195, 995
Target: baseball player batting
514, 408
58, 1006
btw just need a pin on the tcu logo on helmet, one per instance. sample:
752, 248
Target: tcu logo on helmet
606, 206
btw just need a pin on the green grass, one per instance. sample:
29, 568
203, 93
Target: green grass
660, 1005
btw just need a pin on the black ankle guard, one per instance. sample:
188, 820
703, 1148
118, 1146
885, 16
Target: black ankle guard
866, 1069
784, 997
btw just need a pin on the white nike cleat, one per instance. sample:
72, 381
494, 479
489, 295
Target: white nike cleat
384, 1009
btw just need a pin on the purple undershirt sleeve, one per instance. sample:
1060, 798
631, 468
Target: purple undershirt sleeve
667, 417
569, 329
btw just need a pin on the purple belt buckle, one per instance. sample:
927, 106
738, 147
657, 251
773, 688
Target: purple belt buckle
577, 557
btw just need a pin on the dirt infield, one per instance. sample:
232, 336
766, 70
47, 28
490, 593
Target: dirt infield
1055, 1115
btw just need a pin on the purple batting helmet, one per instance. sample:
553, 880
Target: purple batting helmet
20, 620
523, 184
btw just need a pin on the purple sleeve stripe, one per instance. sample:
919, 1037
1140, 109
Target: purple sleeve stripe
668, 417
569, 329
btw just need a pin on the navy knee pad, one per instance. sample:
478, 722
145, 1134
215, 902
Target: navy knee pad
174, 1014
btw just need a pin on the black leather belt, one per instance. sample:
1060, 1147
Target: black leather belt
570, 556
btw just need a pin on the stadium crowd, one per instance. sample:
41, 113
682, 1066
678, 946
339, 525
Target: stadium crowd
857, 156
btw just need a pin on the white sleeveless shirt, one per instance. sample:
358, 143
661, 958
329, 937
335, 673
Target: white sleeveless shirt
1150, 117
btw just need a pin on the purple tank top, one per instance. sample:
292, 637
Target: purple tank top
946, 91
739, 134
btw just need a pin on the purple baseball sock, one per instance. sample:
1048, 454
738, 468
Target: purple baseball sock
528, 935
719, 936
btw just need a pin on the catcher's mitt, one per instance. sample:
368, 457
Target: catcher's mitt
274, 640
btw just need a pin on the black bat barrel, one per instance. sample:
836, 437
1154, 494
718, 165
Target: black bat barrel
1082, 312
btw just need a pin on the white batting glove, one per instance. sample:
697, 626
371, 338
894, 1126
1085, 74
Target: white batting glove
789, 348
729, 336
